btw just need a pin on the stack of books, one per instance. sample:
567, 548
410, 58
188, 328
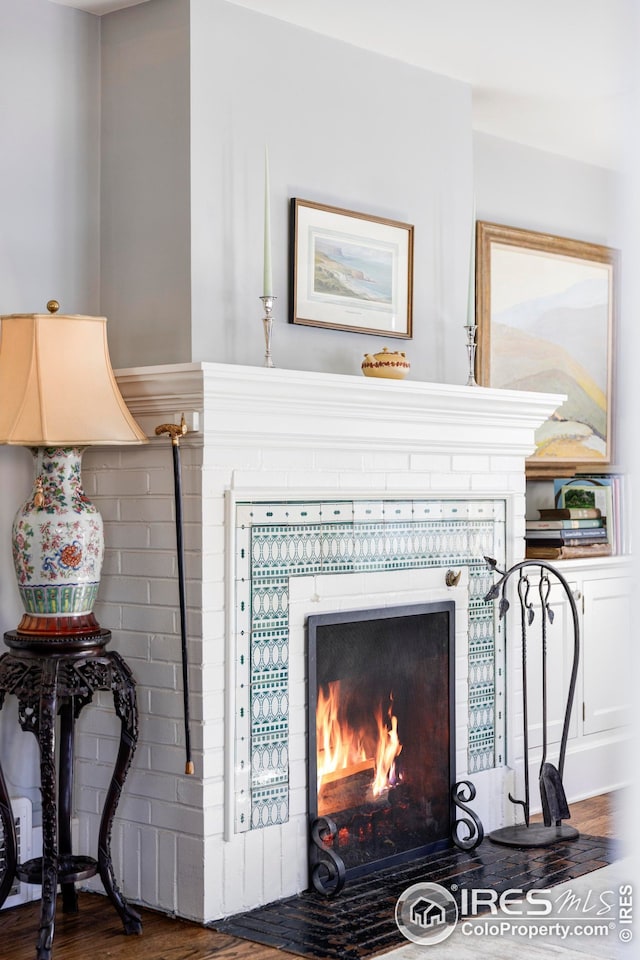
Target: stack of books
566, 533
605, 491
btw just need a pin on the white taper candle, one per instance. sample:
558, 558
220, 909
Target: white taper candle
471, 298
268, 282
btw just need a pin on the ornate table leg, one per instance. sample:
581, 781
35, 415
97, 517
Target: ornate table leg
65, 798
8, 826
124, 700
10, 840
46, 744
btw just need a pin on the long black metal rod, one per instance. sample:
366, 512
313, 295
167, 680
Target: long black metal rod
523, 584
175, 432
543, 589
177, 477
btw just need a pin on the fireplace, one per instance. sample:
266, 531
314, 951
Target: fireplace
305, 493
381, 755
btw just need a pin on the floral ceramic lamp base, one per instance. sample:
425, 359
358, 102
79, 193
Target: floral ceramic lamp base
58, 546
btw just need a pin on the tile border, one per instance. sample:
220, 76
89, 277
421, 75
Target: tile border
275, 540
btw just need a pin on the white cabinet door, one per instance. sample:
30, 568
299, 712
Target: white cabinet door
560, 650
606, 654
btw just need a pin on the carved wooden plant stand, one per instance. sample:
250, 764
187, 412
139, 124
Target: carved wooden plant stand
51, 677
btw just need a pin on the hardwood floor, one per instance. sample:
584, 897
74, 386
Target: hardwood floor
598, 815
95, 931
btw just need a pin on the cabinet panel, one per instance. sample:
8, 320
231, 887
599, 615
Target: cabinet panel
560, 647
606, 655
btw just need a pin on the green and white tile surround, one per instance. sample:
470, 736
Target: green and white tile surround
279, 540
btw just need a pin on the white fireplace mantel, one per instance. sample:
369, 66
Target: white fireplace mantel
306, 409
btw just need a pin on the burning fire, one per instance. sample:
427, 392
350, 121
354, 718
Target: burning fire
344, 751
388, 748
339, 747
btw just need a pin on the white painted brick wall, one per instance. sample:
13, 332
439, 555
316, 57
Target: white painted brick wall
156, 820
264, 433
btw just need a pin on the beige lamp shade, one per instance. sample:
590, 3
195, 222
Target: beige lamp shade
57, 387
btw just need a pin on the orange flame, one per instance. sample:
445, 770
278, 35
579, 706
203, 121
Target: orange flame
340, 747
388, 748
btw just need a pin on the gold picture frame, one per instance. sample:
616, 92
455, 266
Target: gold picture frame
350, 271
545, 311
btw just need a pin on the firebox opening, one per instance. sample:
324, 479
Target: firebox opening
381, 751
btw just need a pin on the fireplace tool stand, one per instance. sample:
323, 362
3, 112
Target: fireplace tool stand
554, 802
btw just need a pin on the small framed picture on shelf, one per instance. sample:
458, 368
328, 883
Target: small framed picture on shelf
350, 271
546, 308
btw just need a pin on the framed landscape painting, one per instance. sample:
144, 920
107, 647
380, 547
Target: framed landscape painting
545, 309
350, 271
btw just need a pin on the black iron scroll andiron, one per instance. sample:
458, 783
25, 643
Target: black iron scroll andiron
327, 868
175, 431
462, 793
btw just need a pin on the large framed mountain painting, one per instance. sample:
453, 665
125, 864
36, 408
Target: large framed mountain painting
545, 309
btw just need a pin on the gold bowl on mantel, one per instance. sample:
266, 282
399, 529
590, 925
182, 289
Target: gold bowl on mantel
391, 365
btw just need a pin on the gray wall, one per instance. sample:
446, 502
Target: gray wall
145, 203
344, 127
49, 162
49, 235
522, 187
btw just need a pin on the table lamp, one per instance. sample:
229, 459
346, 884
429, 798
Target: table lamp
58, 395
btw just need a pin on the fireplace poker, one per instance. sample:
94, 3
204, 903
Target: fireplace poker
175, 431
